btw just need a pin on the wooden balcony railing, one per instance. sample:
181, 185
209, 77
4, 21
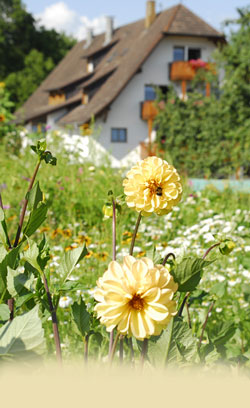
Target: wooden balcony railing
148, 110
181, 71
186, 70
148, 149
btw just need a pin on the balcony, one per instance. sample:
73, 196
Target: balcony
186, 70
181, 71
148, 110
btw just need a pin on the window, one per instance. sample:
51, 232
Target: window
179, 54
119, 135
194, 53
149, 93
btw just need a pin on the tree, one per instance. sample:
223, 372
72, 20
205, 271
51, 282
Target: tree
19, 35
23, 83
211, 136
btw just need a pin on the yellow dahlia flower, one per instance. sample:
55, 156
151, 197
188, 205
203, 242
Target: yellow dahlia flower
152, 185
136, 297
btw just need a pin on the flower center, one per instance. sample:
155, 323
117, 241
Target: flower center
154, 188
137, 302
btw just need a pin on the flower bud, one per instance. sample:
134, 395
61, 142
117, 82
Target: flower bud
226, 247
107, 210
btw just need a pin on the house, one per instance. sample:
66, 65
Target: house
113, 77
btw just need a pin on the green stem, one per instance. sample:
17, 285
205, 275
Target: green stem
134, 234
54, 320
205, 323
121, 349
86, 347
7, 237
144, 351
111, 336
183, 304
132, 353
166, 258
210, 249
19, 229
114, 231
113, 348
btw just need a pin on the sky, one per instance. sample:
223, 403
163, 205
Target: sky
73, 16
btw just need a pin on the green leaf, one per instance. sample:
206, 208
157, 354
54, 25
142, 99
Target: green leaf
154, 255
3, 229
34, 196
49, 159
175, 345
246, 292
19, 283
3, 253
219, 289
70, 260
36, 218
4, 312
9, 260
23, 336
70, 286
31, 255
220, 333
21, 300
188, 273
80, 317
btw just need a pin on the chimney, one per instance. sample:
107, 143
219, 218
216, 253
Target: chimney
109, 30
150, 14
89, 37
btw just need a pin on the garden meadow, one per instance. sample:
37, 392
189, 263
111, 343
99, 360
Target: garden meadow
67, 243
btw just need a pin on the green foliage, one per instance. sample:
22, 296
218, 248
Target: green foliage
81, 317
27, 52
188, 273
4, 313
23, 83
176, 344
22, 337
70, 260
51, 254
209, 136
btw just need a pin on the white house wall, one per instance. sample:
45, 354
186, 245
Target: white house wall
53, 117
125, 110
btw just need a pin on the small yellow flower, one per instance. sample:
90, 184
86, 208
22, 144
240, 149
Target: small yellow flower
57, 231
83, 239
102, 255
152, 185
2, 84
90, 254
44, 229
66, 233
136, 297
2, 117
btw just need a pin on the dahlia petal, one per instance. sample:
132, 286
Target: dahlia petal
123, 326
139, 270
151, 295
137, 327
115, 269
155, 314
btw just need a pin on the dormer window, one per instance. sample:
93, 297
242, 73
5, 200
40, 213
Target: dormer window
90, 66
56, 97
94, 58
85, 98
